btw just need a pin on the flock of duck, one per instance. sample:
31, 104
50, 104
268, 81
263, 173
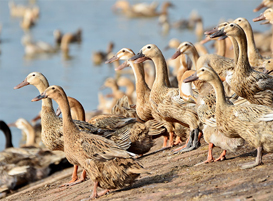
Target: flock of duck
228, 101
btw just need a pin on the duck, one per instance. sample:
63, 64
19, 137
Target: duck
254, 56
141, 9
33, 134
140, 133
265, 3
143, 106
251, 122
162, 97
52, 132
22, 165
267, 16
252, 85
35, 48
69, 37
98, 57
205, 104
107, 165
20, 10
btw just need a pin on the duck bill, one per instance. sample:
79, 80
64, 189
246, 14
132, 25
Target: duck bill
12, 124
22, 84
141, 60
122, 66
137, 56
218, 33
191, 78
176, 54
40, 97
259, 7
211, 31
259, 18
111, 60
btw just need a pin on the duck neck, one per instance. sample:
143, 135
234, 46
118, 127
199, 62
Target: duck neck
235, 48
243, 65
252, 51
68, 124
139, 73
219, 91
41, 88
4, 127
30, 132
221, 47
162, 75
194, 56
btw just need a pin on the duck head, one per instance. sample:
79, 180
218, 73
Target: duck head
123, 54
231, 29
267, 15
146, 53
33, 78
182, 48
53, 92
204, 73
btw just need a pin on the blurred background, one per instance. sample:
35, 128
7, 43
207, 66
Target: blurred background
100, 25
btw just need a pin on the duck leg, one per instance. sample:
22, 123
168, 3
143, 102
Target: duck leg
95, 192
210, 157
165, 141
195, 143
74, 177
222, 156
171, 138
257, 162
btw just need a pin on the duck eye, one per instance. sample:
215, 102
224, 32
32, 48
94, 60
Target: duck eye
186, 44
268, 61
53, 88
33, 74
240, 20
203, 70
123, 50
149, 47
231, 25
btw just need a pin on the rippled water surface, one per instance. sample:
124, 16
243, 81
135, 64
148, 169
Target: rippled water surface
78, 76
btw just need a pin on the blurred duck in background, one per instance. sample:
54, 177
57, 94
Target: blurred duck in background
32, 133
140, 9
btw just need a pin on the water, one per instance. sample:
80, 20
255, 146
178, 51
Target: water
78, 76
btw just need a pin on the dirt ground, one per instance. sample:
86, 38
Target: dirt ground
173, 177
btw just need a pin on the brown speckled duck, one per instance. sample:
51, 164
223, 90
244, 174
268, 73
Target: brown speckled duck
162, 97
52, 128
252, 85
109, 166
143, 106
251, 122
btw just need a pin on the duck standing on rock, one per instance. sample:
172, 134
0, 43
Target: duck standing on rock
162, 97
108, 165
251, 122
